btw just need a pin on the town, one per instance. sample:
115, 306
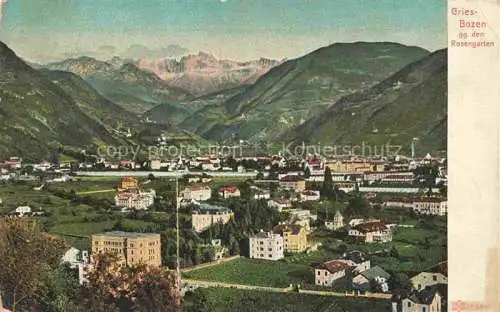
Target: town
370, 230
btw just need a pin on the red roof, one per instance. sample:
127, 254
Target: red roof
371, 227
282, 201
333, 266
229, 189
291, 178
428, 200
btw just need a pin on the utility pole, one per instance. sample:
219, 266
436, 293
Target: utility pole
177, 232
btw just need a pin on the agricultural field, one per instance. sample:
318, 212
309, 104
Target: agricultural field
229, 300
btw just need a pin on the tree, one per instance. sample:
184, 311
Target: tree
400, 285
129, 288
357, 207
27, 258
151, 177
327, 187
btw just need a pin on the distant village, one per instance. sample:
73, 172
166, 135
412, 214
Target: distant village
296, 181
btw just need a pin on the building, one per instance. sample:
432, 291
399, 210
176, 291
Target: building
204, 216
425, 279
294, 235
427, 300
430, 206
261, 193
135, 199
302, 217
371, 232
22, 210
402, 202
327, 273
279, 203
266, 246
133, 248
338, 221
293, 182
356, 261
198, 193
389, 176
347, 187
74, 257
365, 280
14, 163
355, 166
309, 195
129, 183
229, 191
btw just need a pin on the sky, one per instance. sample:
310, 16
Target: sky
47, 30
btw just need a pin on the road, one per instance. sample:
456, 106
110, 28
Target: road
291, 288
94, 192
209, 264
163, 174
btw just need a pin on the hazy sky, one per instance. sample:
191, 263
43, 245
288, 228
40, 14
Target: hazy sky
42, 30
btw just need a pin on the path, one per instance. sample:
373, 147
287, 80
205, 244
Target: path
209, 264
197, 283
95, 192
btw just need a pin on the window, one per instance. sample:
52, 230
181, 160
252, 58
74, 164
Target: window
435, 278
409, 304
319, 272
424, 309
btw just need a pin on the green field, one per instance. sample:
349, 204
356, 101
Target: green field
232, 300
255, 272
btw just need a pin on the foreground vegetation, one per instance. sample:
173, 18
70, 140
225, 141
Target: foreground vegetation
230, 300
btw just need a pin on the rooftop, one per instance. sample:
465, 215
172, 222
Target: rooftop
333, 266
281, 228
121, 234
371, 227
211, 208
374, 272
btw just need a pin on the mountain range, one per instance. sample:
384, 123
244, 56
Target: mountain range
204, 74
45, 113
411, 104
345, 93
122, 82
299, 89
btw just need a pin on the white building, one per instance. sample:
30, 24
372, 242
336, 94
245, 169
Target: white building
309, 195
137, 200
22, 210
371, 232
74, 257
199, 193
266, 246
347, 187
431, 206
229, 191
279, 203
426, 279
261, 193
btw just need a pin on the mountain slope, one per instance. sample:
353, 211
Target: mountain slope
37, 117
204, 74
191, 115
412, 103
296, 90
123, 83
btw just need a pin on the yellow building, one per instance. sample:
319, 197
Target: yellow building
133, 248
294, 235
129, 183
355, 166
